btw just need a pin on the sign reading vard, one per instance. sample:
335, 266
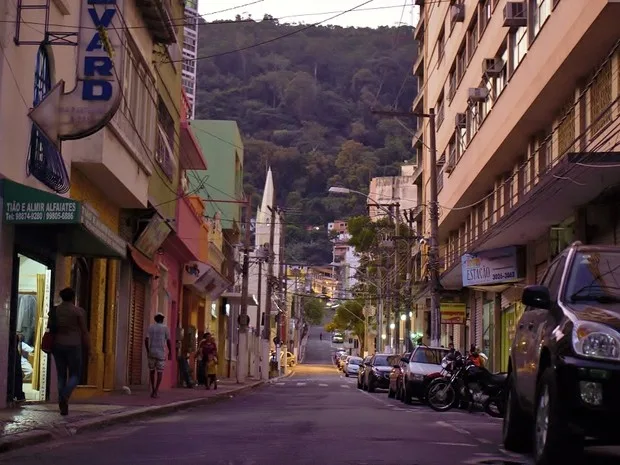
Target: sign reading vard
490, 267
96, 96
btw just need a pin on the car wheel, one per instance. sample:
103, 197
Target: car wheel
371, 385
359, 385
553, 442
346, 374
391, 393
516, 429
407, 398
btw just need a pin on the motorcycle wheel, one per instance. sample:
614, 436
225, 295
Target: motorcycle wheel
441, 396
495, 406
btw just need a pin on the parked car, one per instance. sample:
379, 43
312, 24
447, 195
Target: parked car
396, 378
337, 338
377, 372
423, 363
564, 366
362, 372
352, 366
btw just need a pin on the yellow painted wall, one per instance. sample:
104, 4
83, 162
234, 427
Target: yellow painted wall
103, 284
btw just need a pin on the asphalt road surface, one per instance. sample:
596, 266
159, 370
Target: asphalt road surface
316, 416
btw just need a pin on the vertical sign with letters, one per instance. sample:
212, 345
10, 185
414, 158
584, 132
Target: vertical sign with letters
97, 93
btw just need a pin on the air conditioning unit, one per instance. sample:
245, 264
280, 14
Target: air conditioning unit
478, 94
515, 14
457, 13
492, 67
185, 184
451, 164
460, 120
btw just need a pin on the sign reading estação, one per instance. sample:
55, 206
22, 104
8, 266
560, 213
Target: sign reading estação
490, 267
97, 93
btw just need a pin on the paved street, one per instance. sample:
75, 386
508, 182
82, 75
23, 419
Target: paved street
315, 416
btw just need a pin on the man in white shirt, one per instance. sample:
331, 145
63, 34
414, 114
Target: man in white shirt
156, 341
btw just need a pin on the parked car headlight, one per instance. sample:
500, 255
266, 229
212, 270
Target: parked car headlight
596, 340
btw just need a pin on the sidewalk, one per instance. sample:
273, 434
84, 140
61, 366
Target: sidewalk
39, 422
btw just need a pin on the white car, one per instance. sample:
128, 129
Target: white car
352, 366
424, 361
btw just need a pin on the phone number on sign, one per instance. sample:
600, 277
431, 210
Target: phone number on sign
506, 275
59, 216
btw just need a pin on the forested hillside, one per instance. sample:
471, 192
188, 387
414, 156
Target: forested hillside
303, 103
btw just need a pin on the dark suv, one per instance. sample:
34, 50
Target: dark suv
564, 366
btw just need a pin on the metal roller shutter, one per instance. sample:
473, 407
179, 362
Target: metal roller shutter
511, 296
477, 320
136, 332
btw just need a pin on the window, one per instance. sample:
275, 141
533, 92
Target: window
189, 65
540, 11
473, 122
544, 154
472, 38
592, 277
440, 110
460, 64
518, 47
136, 119
452, 83
426, 355
566, 129
486, 10
45, 162
499, 82
555, 280
461, 141
165, 140
441, 45
601, 99
485, 107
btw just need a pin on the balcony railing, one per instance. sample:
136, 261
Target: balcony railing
158, 17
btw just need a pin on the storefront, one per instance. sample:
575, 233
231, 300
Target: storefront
45, 228
511, 312
488, 274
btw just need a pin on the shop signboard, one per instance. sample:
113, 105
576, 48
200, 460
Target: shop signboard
153, 236
91, 104
495, 266
453, 313
27, 205
91, 221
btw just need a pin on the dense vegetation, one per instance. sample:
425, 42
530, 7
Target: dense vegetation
303, 103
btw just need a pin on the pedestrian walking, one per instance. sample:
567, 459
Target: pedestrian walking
156, 342
208, 352
67, 323
321, 336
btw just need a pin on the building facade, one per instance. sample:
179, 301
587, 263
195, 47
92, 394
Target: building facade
92, 197
526, 102
393, 189
190, 51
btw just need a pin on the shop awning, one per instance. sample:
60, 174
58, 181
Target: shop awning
235, 298
73, 227
205, 279
142, 261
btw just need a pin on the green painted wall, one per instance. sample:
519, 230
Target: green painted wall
222, 148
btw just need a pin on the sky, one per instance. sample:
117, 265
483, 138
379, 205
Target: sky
375, 13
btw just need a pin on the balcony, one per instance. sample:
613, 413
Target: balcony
113, 166
418, 65
158, 17
418, 34
418, 103
417, 213
417, 173
191, 157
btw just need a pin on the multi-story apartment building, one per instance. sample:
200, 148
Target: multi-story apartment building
393, 189
526, 100
190, 51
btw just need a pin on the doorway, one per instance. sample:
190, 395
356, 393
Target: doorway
30, 310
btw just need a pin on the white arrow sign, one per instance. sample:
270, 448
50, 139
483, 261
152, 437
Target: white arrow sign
97, 92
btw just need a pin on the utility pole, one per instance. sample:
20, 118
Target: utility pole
433, 213
396, 347
409, 288
282, 309
270, 283
380, 310
244, 319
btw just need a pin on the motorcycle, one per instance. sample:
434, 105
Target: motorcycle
466, 383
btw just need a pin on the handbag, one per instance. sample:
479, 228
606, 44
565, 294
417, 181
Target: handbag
47, 344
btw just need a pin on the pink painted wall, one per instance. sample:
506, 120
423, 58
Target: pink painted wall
189, 225
169, 260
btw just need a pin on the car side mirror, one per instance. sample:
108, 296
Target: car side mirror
404, 360
537, 297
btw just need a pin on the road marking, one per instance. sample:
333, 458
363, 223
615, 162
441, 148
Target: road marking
323, 385
452, 427
300, 384
280, 384
462, 444
346, 386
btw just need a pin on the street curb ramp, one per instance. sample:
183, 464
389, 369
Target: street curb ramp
29, 438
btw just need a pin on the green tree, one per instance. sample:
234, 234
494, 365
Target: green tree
349, 316
314, 311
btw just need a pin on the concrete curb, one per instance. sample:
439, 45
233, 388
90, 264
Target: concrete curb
20, 440
274, 380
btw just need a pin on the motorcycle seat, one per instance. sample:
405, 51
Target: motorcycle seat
498, 378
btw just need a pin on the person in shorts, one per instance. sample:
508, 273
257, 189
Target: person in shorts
156, 342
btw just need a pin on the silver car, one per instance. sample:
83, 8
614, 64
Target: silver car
352, 367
